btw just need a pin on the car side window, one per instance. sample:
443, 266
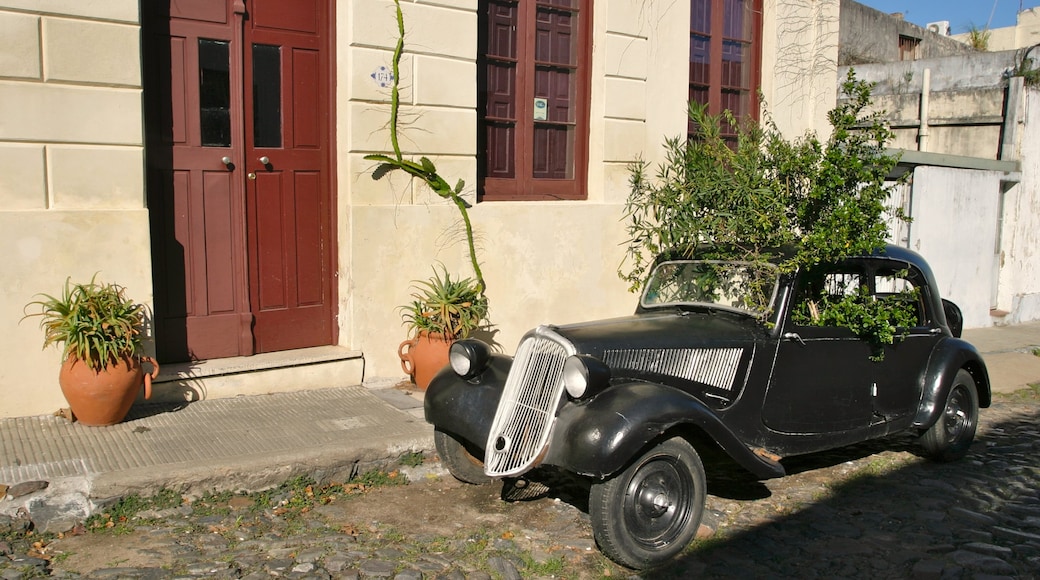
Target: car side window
837, 296
901, 289
821, 287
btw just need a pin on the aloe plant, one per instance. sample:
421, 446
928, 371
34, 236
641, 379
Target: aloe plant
442, 305
95, 322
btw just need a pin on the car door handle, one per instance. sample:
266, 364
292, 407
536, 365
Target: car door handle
794, 336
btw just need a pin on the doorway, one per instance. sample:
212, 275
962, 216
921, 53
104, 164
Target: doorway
237, 104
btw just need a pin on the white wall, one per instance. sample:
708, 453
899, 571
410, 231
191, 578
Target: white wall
955, 218
1020, 248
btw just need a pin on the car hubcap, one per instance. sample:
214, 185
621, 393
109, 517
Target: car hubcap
658, 502
956, 418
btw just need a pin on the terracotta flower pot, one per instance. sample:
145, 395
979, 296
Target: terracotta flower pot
423, 356
105, 397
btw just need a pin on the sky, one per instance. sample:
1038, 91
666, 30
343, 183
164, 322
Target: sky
961, 14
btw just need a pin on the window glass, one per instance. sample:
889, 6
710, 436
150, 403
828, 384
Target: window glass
215, 92
532, 98
499, 89
824, 296
267, 95
723, 57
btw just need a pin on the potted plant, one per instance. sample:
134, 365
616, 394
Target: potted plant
101, 331
442, 311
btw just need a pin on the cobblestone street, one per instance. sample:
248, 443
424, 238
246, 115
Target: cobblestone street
870, 511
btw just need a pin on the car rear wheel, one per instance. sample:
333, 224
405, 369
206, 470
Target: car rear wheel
462, 464
951, 436
649, 512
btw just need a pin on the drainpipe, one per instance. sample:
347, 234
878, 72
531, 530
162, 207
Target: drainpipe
922, 128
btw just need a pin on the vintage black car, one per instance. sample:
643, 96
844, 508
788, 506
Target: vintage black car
630, 402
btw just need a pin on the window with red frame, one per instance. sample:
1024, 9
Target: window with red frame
726, 57
533, 95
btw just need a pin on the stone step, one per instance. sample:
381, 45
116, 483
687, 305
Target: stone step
279, 372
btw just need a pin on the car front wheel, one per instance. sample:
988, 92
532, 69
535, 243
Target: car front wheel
649, 512
951, 436
460, 462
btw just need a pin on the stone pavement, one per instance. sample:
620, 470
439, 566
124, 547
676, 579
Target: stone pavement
256, 442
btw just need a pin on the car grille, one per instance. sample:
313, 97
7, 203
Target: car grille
527, 410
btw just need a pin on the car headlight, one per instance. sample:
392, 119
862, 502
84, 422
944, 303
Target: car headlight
469, 357
583, 375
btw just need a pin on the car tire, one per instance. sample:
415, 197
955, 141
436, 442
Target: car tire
648, 513
462, 464
951, 436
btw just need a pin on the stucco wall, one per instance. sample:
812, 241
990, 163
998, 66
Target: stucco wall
799, 60
869, 35
966, 100
544, 262
1025, 33
955, 219
71, 172
1020, 243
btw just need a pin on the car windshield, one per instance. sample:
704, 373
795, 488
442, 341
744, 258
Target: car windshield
738, 286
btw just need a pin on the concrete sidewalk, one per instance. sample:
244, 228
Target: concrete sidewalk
1008, 352
237, 444
256, 442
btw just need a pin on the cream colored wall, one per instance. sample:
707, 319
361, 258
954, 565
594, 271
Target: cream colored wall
1024, 34
545, 262
799, 63
71, 172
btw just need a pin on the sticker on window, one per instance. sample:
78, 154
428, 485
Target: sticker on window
541, 109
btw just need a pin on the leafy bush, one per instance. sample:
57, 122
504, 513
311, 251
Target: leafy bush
95, 321
441, 305
747, 200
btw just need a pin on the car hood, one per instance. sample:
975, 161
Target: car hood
669, 330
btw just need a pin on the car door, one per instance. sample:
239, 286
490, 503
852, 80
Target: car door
822, 377
897, 377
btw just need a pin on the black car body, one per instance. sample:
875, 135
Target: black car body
627, 401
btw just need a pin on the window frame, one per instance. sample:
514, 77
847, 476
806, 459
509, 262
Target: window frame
523, 186
716, 42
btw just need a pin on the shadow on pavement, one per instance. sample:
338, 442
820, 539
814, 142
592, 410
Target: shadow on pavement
976, 516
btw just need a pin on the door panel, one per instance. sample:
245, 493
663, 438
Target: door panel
241, 265
201, 299
821, 383
288, 211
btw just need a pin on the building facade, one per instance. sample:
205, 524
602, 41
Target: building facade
209, 156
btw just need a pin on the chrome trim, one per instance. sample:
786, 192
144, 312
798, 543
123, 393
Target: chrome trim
716, 367
526, 411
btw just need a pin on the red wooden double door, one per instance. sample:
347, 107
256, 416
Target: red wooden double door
239, 188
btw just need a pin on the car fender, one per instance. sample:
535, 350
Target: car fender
599, 437
949, 356
466, 408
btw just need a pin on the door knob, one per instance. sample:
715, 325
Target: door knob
227, 161
265, 160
